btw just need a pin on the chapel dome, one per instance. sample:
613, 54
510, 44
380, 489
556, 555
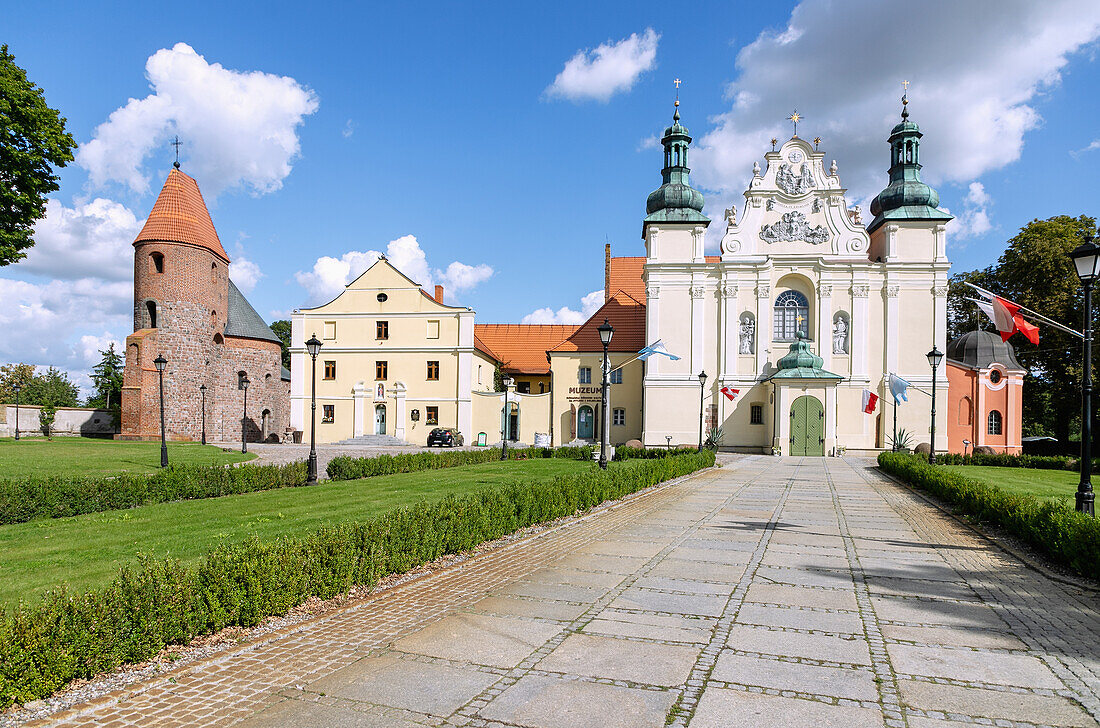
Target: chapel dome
800, 356
675, 200
980, 349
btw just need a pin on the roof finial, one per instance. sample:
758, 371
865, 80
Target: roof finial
676, 114
905, 100
176, 144
795, 118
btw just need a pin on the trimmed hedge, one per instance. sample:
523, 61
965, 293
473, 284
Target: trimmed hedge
1003, 460
156, 603
58, 496
345, 467
1067, 536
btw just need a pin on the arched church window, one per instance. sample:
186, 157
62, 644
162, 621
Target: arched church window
151, 313
791, 315
994, 423
965, 409
241, 376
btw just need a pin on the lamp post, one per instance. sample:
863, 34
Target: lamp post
507, 416
313, 346
202, 391
966, 446
244, 417
934, 358
606, 332
702, 388
17, 388
160, 362
1086, 259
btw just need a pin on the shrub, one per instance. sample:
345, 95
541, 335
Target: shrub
156, 603
1040, 462
1067, 536
59, 496
349, 468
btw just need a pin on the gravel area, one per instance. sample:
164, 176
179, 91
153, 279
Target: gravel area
279, 454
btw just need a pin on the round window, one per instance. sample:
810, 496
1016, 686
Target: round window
382, 297
994, 377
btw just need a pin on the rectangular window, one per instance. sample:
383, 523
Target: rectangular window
584, 375
479, 374
618, 416
330, 370
382, 329
433, 371
756, 414
523, 387
330, 330
433, 329
433, 415
381, 369
328, 413
616, 376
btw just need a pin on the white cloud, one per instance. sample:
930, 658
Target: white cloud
977, 70
565, 315
89, 239
652, 141
973, 221
349, 129
244, 273
238, 128
1091, 147
610, 68
330, 275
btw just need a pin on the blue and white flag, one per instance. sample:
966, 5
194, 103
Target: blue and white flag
657, 347
898, 387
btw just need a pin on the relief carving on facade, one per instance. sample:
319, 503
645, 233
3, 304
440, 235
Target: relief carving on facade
939, 291
747, 335
791, 227
787, 181
729, 290
892, 291
652, 291
698, 291
763, 292
825, 290
816, 207
861, 291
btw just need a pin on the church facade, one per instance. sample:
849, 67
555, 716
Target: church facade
804, 308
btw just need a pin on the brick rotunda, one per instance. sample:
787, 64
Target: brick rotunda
188, 310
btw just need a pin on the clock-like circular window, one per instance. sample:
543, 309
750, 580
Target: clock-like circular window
994, 377
382, 297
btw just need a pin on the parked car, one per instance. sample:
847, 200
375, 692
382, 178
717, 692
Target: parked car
445, 437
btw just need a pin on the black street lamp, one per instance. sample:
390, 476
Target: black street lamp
313, 346
934, 358
606, 332
507, 418
160, 362
702, 388
17, 388
202, 391
1086, 259
244, 417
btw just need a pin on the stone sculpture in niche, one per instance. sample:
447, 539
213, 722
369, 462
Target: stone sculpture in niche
791, 227
840, 336
786, 180
748, 335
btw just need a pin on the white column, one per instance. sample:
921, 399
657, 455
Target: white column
825, 325
359, 400
698, 238
698, 316
859, 330
729, 343
939, 292
783, 420
893, 328
399, 410
830, 419
652, 329
763, 325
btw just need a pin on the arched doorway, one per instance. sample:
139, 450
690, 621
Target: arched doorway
585, 424
807, 426
380, 419
265, 425
509, 425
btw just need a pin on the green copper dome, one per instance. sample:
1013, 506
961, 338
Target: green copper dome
906, 197
801, 363
675, 200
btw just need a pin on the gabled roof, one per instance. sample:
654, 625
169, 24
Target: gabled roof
625, 313
180, 216
521, 348
242, 320
626, 275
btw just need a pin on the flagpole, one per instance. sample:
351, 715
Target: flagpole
895, 423
1028, 311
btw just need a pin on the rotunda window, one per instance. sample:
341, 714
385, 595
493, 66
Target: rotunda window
994, 377
791, 315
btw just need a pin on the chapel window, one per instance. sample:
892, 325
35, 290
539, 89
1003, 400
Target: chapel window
791, 315
330, 370
994, 423
382, 329
433, 371
381, 369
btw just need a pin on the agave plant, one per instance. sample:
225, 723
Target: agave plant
714, 438
903, 442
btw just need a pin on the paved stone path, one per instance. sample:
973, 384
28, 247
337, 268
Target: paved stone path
772, 592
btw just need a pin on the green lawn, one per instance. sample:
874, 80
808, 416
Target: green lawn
1047, 484
93, 456
86, 551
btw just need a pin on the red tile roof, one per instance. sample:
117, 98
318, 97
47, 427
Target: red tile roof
625, 313
180, 216
626, 276
521, 348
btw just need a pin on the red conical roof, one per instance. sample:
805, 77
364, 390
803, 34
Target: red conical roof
180, 216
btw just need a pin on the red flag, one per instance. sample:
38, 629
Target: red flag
1007, 318
870, 399
730, 393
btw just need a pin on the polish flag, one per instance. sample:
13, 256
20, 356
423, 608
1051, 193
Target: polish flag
730, 392
1006, 316
870, 399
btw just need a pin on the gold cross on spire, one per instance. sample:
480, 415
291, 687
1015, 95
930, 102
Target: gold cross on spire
905, 100
795, 118
905, 85
177, 144
677, 82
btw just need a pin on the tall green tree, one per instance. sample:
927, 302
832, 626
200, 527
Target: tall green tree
107, 378
33, 141
281, 328
12, 375
51, 389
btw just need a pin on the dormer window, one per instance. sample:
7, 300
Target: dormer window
158, 262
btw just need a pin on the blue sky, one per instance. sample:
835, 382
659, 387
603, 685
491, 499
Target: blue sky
320, 135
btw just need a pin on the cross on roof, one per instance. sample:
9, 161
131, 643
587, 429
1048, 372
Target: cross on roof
177, 144
795, 117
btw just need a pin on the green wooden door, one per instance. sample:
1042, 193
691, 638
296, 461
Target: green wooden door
807, 427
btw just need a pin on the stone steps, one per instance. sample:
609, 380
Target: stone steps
374, 441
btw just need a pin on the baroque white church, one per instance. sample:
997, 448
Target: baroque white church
805, 307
